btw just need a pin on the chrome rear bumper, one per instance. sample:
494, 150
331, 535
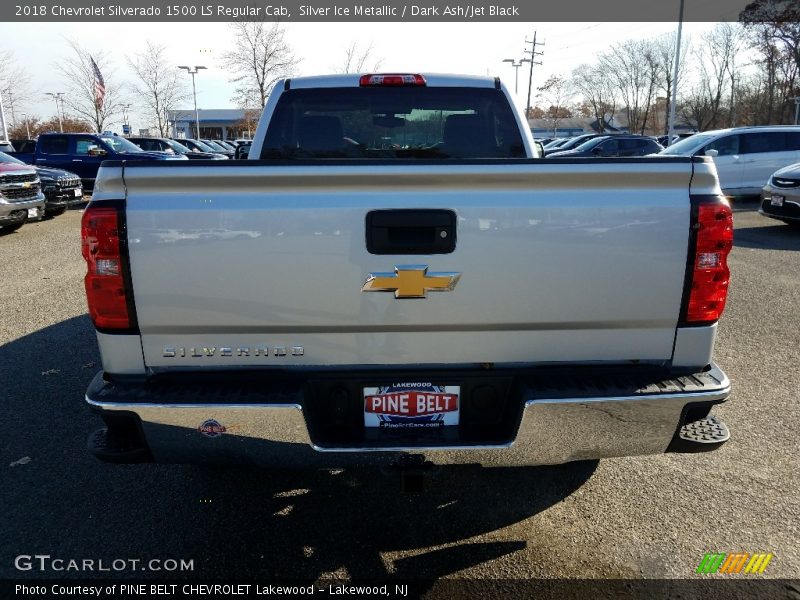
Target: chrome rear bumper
552, 430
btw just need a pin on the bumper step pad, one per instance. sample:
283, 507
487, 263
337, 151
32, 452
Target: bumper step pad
703, 435
111, 449
710, 430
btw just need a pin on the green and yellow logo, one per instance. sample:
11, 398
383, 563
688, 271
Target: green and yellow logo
741, 562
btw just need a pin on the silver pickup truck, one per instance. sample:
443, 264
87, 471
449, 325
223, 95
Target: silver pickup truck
21, 196
394, 272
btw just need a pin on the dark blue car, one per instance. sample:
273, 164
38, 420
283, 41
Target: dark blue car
82, 153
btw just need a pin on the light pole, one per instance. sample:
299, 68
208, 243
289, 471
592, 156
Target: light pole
796, 109
58, 96
193, 71
3, 117
516, 65
27, 125
533, 61
671, 129
125, 123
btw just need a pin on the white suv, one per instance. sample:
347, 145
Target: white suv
745, 156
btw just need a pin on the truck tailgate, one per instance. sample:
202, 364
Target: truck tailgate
252, 264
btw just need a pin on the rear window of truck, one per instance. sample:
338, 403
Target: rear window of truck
393, 122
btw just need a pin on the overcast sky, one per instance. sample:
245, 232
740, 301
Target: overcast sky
470, 48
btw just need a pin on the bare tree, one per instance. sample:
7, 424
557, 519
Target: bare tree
779, 20
632, 69
261, 56
247, 124
664, 47
695, 108
774, 32
14, 84
716, 57
356, 61
653, 70
594, 85
81, 82
159, 85
36, 127
555, 94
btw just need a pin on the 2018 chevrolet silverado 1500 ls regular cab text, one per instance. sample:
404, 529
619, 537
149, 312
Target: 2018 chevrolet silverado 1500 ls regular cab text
393, 272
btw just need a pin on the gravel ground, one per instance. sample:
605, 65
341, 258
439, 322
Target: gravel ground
646, 517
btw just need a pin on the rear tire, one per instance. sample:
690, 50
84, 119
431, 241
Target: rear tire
10, 228
54, 212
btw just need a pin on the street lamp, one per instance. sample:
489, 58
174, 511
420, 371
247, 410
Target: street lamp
193, 71
125, 124
3, 118
516, 65
671, 126
58, 96
27, 125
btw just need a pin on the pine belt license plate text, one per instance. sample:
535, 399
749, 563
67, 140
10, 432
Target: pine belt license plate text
411, 405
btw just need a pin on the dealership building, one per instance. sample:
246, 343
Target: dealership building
215, 123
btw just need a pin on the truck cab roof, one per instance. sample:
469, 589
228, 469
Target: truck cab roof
353, 80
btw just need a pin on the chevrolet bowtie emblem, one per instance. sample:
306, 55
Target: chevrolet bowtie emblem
411, 281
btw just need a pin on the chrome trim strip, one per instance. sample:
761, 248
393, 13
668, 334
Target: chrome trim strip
703, 397
131, 406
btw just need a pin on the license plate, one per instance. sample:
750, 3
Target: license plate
33, 213
78, 192
776, 200
411, 405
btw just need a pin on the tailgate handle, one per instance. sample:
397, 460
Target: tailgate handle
411, 231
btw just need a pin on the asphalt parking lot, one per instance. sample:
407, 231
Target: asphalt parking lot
621, 518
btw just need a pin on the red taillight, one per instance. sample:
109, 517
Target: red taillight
394, 79
713, 227
105, 280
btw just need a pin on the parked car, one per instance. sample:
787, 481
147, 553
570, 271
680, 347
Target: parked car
574, 142
552, 146
5, 146
240, 141
157, 144
780, 197
611, 145
21, 196
82, 153
61, 188
217, 146
198, 146
24, 146
664, 139
226, 144
745, 156
243, 150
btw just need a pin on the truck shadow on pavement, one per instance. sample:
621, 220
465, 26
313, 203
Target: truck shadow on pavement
237, 521
775, 236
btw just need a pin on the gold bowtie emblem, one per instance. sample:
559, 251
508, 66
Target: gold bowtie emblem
411, 281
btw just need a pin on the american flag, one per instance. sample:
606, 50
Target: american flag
99, 85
